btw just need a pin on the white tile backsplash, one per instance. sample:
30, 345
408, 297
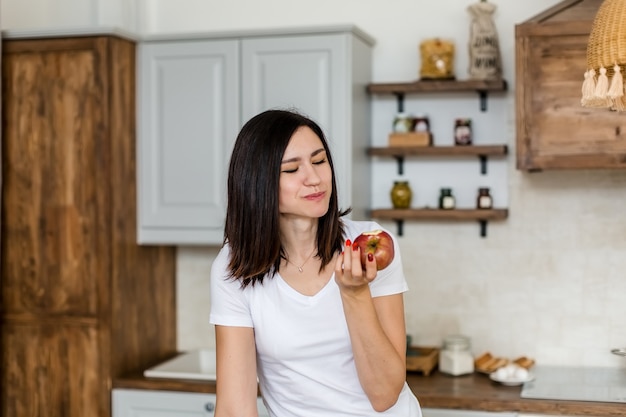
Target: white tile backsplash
549, 282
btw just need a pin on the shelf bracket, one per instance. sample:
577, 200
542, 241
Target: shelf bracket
400, 160
483, 164
483, 100
400, 100
483, 228
400, 225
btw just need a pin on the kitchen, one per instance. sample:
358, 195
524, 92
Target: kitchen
546, 282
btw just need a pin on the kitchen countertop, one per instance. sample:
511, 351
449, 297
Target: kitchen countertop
470, 392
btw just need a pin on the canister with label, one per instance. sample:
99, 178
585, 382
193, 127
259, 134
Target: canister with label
446, 199
484, 200
463, 132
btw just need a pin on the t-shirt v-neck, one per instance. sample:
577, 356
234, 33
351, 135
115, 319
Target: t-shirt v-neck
296, 295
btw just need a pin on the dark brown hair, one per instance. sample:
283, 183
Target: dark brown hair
252, 216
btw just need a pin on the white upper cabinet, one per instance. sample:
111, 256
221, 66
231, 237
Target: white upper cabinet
194, 96
187, 120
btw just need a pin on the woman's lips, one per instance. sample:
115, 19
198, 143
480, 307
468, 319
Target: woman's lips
315, 196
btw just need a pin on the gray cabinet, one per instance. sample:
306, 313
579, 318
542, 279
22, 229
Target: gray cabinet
188, 111
195, 94
146, 403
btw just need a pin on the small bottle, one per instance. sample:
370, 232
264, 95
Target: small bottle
463, 132
402, 123
456, 357
401, 194
484, 200
446, 199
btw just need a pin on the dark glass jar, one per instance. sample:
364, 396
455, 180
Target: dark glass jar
421, 123
463, 132
401, 194
446, 199
484, 200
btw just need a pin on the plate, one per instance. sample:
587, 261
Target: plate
511, 381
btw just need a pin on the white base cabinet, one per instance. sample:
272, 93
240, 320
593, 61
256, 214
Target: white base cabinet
145, 403
195, 94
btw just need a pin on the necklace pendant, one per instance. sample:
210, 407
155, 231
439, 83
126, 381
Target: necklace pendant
300, 269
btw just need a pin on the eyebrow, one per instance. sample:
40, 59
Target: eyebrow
286, 161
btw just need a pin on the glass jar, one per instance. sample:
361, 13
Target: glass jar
446, 199
484, 200
401, 194
402, 123
421, 123
456, 357
463, 132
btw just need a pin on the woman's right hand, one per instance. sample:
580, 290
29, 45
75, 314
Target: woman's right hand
349, 274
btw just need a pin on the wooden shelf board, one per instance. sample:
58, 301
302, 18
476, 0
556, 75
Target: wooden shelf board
438, 214
473, 150
423, 86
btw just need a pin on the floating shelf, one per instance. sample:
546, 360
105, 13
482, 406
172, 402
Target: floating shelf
482, 87
480, 151
480, 215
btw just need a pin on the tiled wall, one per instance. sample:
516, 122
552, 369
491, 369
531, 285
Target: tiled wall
549, 282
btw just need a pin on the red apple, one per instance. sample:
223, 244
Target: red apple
380, 244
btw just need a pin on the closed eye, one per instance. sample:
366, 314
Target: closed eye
320, 162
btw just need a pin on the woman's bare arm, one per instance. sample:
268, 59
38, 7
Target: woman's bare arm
236, 372
377, 331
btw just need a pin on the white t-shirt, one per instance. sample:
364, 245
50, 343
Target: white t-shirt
305, 363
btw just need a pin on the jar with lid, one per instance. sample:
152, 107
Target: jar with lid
402, 123
421, 123
446, 199
463, 132
456, 357
484, 200
401, 194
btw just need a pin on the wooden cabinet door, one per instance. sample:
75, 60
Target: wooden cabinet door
45, 366
553, 130
55, 177
188, 121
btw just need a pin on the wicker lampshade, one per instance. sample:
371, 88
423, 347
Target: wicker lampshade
606, 58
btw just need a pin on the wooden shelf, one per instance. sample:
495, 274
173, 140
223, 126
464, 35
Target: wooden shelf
400, 152
480, 215
482, 87
427, 86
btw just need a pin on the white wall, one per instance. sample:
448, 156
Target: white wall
548, 282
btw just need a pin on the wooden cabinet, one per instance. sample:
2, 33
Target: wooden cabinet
81, 302
400, 153
195, 94
553, 130
130, 403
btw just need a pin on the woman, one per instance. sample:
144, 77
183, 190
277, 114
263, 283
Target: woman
290, 301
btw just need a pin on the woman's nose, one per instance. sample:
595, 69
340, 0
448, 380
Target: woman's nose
312, 177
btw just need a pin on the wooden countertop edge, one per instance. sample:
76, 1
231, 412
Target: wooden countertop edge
474, 392
524, 405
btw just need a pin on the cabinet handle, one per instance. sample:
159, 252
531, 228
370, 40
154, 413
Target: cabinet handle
210, 407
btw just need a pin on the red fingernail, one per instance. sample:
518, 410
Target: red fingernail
370, 257
341, 253
348, 242
355, 248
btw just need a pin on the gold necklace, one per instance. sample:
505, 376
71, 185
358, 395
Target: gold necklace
300, 270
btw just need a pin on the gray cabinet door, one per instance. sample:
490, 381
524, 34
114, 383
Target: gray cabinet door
322, 76
188, 111
147, 403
